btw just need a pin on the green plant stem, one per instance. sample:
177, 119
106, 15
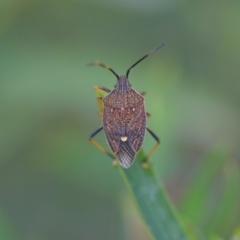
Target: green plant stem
152, 202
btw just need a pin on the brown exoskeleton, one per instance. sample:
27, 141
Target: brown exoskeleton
124, 118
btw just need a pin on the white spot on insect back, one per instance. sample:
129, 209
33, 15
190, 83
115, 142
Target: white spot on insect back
124, 138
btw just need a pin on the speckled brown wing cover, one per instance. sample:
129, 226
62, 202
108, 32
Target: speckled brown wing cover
124, 116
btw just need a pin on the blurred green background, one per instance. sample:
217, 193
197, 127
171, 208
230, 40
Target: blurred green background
54, 184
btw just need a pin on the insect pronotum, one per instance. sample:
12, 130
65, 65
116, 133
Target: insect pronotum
124, 118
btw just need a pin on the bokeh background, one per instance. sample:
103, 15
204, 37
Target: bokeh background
54, 184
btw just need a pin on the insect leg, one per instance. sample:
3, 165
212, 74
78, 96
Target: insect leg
99, 146
99, 89
100, 107
100, 95
144, 161
104, 89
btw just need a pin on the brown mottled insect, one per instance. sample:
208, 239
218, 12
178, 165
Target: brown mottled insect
124, 118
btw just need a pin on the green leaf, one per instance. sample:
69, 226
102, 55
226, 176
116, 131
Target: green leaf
152, 202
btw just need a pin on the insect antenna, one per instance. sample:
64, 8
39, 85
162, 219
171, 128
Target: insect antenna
97, 63
151, 52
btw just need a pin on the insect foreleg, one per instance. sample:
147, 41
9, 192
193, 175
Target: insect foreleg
145, 159
99, 146
100, 106
98, 90
104, 89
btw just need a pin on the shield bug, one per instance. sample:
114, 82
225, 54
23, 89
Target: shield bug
124, 118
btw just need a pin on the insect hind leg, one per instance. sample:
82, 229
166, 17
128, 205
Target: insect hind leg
145, 163
100, 147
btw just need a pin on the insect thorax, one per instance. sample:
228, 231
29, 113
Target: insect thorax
118, 98
123, 105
